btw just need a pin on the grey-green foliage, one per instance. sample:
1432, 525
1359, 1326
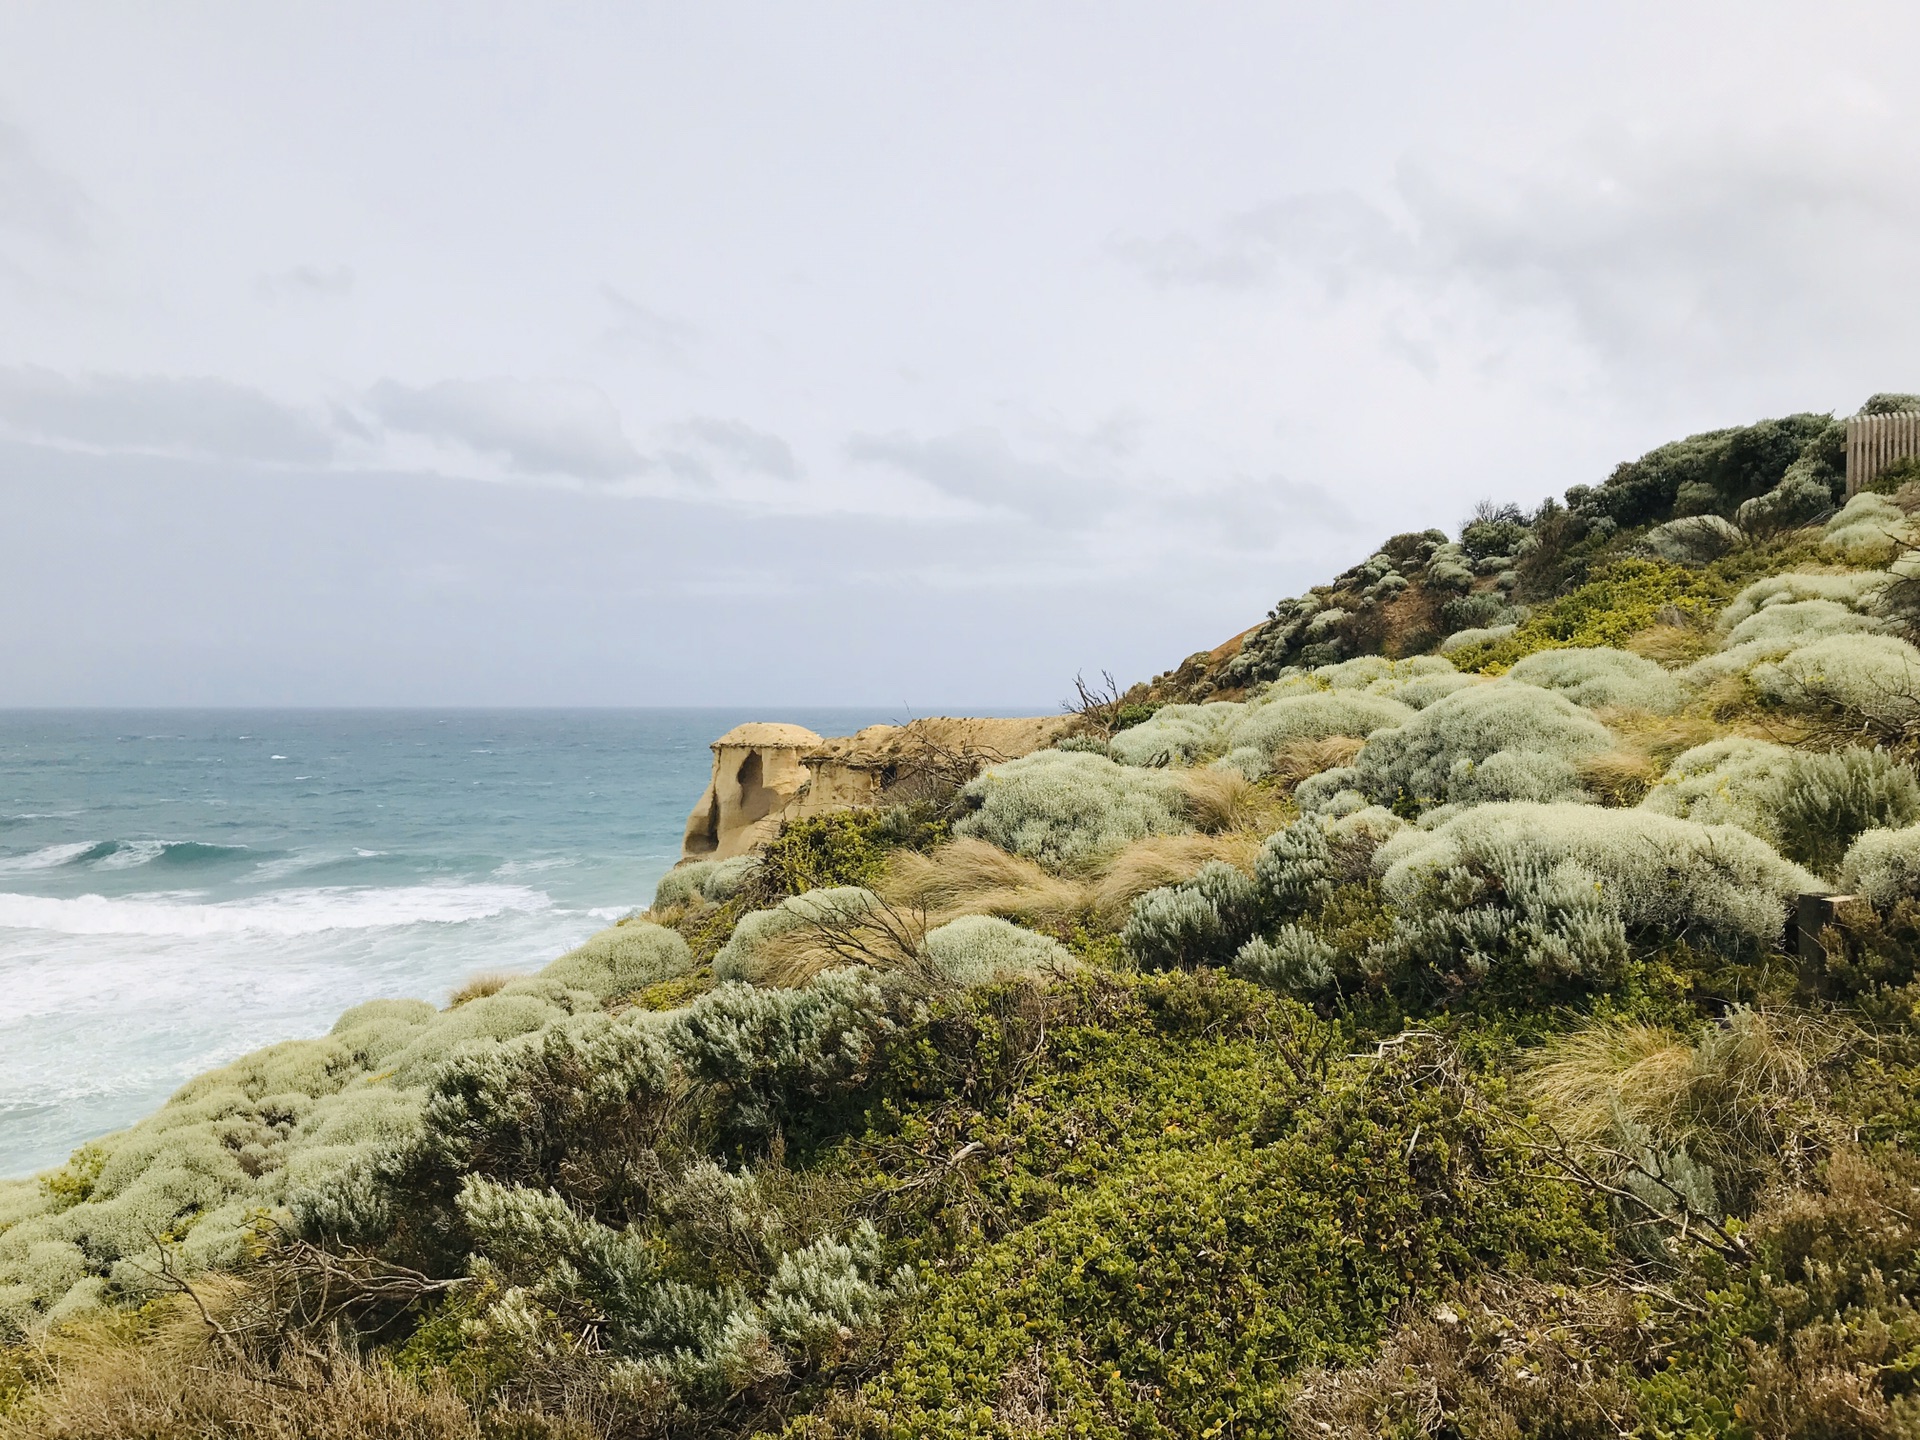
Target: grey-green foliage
1201, 921
1800, 622
1809, 805
564, 1272
1883, 865
1593, 678
1661, 875
1454, 926
773, 1051
228, 1143
1180, 734
982, 949
1869, 678
1492, 742
753, 931
1802, 496
1315, 716
622, 958
1857, 590
1870, 530
1691, 540
1066, 810
714, 881
1460, 639
1292, 958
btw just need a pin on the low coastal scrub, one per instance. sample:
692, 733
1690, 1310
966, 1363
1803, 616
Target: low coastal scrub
1481, 1002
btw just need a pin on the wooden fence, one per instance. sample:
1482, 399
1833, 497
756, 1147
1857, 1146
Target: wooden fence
1875, 441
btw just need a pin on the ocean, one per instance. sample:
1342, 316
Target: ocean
180, 887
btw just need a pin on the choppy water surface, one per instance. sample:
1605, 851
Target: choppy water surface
179, 887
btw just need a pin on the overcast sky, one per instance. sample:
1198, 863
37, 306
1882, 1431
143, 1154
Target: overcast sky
404, 353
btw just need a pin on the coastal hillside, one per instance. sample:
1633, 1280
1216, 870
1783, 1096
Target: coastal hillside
1479, 1000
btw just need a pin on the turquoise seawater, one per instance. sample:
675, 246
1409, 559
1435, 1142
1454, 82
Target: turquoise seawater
179, 887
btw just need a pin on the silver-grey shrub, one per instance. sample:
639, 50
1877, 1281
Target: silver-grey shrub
1883, 865
1182, 734
1315, 716
1066, 810
1592, 678
621, 959
1201, 921
982, 949
754, 931
1664, 877
1809, 805
1492, 742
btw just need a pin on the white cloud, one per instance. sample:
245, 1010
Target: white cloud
35, 200
307, 282
535, 427
742, 445
158, 414
978, 466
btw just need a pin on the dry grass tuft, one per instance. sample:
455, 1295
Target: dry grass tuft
1298, 759
1744, 1095
1672, 644
1165, 860
1220, 800
106, 1377
1619, 776
973, 877
491, 982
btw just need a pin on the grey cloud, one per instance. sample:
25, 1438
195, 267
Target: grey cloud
637, 330
1656, 254
535, 427
1336, 234
978, 465
35, 200
158, 413
310, 282
743, 445
1255, 514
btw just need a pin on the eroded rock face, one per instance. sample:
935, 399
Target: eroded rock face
765, 774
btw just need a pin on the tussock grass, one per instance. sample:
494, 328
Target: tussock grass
478, 987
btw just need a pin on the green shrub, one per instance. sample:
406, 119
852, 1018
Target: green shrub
1627, 598
1065, 810
1715, 470
1201, 921
1802, 496
1182, 733
621, 959
1492, 742
847, 847
1807, 805
756, 930
1592, 678
1664, 877
715, 881
983, 949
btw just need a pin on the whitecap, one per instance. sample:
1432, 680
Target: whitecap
289, 912
49, 857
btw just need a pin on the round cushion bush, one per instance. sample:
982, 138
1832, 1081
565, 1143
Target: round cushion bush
1661, 874
1437, 757
1592, 678
1183, 733
1067, 809
830, 904
622, 958
1857, 590
980, 949
1316, 717
1876, 677
1883, 865
1809, 805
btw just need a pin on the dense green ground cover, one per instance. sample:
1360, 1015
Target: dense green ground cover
1408, 1041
